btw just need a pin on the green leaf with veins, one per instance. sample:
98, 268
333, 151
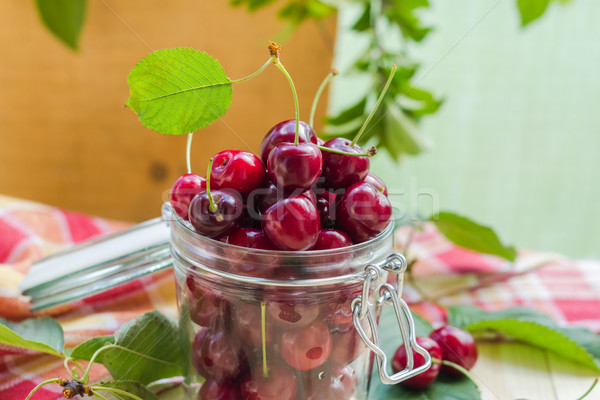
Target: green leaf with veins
86, 350
151, 350
178, 91
132, 387
64, 18
38, 334
471, 235
534, 328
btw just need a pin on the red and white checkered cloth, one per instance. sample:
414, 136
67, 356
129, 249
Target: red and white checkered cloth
567, 290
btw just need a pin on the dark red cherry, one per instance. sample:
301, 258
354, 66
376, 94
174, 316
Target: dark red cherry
238, 170
246, 263
292, 223
363, 212
306, 348
222, 356
207, 308
197, 344
212, 390
457, 346
285, 132
326, 208
332, 239
248, 322
183, 191
342, 170
226, 217
377, 182
269, 195
425, 378
279, 384
294, 167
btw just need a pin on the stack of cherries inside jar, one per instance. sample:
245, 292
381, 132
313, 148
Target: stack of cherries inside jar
297, 196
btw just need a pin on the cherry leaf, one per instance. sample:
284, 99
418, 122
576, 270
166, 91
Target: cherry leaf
178, 91
64, 18
38, 334
131, 387
86, 350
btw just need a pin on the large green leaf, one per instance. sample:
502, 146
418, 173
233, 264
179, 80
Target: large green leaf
177, 91
38, 334
152, 350
86, 350
64, 18
471, 235
534, 328
134, 388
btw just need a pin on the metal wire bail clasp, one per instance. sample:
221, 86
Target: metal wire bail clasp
387, 294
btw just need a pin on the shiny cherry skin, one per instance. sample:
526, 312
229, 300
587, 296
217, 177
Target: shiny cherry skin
221, 356
292, 223
377, 182
250, 264
306, 348
458, 346
269, 195
207, 308
285, 132
425, 378
237, 170
326, 208
215, 224
342, 170
183, 191
332, 239
280, 384
294, 167
213, 390
251, 238
363, 212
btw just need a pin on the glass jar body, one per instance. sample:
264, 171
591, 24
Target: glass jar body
271, 324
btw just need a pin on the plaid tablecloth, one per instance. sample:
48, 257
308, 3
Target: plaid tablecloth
568, 290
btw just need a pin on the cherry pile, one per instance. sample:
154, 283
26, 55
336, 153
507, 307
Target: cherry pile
447, 343
295, 196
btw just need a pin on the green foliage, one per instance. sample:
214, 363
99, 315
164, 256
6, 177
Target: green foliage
471, 235
178, 91
64, 18
534, 328
130, 387
150, 350
442, 389
38, 334
86, 350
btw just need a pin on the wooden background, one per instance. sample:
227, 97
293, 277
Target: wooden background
65, 138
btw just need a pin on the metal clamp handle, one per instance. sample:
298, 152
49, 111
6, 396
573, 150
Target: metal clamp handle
361, 307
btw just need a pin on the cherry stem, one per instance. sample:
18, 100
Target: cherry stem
114, 390
381, 95
279, 65
188, 150
313, 108
455, 366
212, 207
77, 364
589, 390
35, 389
261, 69
263, 324
369, 153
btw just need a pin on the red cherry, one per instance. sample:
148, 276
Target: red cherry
244, 263
343, 170
292, 314
183, 191
338, 311
212, 390
207, 308
294, 167
425, 378
326, 208
332, 239
216, 223
221, 356
306, 348
347, 346
292, 223
363, 212
280, 384
238, 170
285, 132
377, 182
248, 321
457, 346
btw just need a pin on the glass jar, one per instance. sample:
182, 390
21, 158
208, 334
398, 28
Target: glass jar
284, 325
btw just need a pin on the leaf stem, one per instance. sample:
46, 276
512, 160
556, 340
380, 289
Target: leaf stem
381, 95
188, 151
212, 207
455, 366
313, 108
589, 390
252, 75
35, 389
279, 65
98, 395
74, 362
369, 153
263, 324
119, 391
